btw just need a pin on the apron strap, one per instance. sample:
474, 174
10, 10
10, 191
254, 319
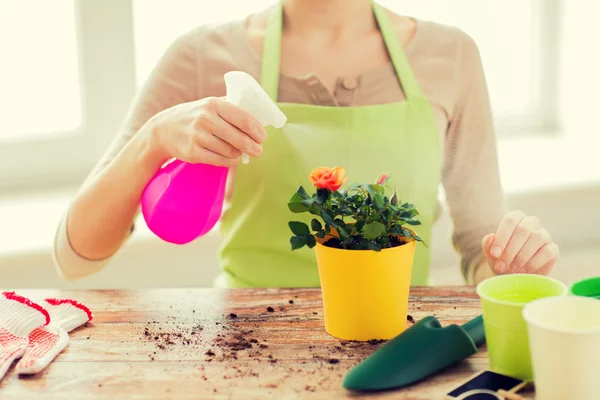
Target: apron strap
404, 72
272, 54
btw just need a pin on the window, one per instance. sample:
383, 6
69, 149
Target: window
71, 67
39, 76
504, 32
66, 80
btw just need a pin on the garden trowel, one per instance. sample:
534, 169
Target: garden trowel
420, 351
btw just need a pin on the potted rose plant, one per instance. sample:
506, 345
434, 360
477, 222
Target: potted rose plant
364, 252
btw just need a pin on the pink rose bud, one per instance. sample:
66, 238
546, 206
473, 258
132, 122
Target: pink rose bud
382, 179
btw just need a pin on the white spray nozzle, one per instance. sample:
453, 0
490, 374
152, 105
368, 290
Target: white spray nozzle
245, 92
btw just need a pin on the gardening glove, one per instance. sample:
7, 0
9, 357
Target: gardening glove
18, 318
46, 342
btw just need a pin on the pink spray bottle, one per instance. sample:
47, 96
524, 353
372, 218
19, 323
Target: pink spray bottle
184, 201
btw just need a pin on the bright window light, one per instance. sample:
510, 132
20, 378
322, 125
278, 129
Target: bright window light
505, 34
39, 72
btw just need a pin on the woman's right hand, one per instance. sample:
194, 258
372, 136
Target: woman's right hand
208, 131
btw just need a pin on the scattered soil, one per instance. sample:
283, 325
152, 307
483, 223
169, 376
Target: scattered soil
233, 338
410, 319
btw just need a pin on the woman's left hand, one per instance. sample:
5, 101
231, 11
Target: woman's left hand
520, 245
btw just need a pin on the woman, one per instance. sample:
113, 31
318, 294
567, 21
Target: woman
362, 88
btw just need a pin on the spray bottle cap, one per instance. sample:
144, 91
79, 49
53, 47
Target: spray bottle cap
245, 92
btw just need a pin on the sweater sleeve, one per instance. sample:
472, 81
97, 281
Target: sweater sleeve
471, 176
173, 81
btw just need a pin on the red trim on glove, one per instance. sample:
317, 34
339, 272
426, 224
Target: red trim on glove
27, 302
75, 303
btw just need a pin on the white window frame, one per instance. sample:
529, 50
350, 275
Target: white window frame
544, 117
105, 41
107, 77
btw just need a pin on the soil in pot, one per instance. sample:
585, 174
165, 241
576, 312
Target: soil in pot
395, 241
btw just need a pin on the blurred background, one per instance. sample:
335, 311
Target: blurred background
69, 69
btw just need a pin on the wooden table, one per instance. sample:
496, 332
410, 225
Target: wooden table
184, 344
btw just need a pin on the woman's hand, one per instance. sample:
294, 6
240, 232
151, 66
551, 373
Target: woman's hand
209, 131
520, 245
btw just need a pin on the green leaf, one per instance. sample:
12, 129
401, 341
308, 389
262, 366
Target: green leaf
315, 224
374, 246
342, 232
302, 193
345, 210
298, 242
322, 196
362, 245
311, 241
373, 230
359, 225
296, 204
412, 221
299, 228
297, 208
349, 241
327, 217
320, 234
378, 200
397, 230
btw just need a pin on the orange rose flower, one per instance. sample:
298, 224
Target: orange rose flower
328, 178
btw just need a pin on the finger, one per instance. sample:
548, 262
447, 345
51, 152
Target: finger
486, 246
544, 259
516, 242
538, 239
546, 269
238, 139
202, 155
242, 120
505, 231
217, 145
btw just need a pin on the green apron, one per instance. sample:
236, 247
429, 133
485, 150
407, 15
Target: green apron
400, 138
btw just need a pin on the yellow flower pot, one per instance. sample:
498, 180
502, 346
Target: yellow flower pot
365, 292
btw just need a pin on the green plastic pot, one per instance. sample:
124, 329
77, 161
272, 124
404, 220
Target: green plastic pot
589, 287
503, 298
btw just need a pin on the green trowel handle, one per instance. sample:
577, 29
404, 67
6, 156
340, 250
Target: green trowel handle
475, 330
